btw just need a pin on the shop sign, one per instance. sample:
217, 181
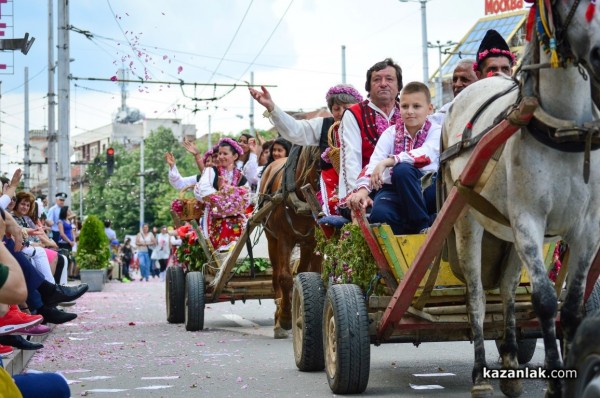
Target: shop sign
498, 6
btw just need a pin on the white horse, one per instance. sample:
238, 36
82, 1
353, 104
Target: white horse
539, 189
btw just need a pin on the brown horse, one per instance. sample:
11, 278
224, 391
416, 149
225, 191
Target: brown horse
290, 223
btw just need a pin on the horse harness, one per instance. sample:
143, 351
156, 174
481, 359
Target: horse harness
287, 192
558, 134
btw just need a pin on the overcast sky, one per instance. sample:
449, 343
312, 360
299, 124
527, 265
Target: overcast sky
292, 44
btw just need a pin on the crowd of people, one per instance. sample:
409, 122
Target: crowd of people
35, 264
376, 152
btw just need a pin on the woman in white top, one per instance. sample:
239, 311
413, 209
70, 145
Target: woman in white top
143, 240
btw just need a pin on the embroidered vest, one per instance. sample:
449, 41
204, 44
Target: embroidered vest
366, 119
323, 144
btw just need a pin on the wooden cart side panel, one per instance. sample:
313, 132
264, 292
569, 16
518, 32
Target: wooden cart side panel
391, 250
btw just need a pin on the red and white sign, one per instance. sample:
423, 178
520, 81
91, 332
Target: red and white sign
498, 6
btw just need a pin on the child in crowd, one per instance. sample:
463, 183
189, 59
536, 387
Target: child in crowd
403, 155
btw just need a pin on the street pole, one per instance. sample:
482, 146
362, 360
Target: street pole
26, 159
64, 153
439, 89
51, 106
251, 115
424, 41
142, 199
343, 64
209, 133
423, 38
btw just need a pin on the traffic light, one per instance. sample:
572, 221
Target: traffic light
110, 161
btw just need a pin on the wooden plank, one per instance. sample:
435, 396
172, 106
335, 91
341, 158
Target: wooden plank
227, 267
451, 210
316, 210
390, 249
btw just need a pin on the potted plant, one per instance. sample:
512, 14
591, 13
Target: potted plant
93, 253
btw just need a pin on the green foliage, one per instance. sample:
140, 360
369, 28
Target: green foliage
260, 265
348, 259
190, 253
117, 197
92, 249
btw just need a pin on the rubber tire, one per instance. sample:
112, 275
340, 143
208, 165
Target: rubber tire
525, 349
584, 357
308, 297
175, 294
194, 301
592, 305
346, 341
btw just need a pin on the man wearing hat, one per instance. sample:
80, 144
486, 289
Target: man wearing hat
53, 213
494, 56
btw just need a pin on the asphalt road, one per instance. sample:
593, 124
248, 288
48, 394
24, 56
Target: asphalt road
122, 346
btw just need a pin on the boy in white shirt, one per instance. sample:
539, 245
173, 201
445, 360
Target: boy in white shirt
404, 153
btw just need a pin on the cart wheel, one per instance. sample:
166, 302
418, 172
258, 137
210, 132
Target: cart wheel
194, 301
175, 294
584, 357
525, 349
346, 340
307, 321
592, 305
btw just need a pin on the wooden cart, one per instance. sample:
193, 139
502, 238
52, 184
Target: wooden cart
334, 327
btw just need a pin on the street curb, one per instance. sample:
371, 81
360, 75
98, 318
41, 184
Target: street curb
17, 361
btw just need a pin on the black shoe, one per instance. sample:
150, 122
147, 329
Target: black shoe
56, 316
65, 293
20, 342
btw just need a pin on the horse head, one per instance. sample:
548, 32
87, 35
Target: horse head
580, 28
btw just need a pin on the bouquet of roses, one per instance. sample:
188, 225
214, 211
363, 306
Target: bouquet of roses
229, 201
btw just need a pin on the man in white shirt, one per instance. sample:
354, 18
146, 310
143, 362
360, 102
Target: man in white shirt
53, 215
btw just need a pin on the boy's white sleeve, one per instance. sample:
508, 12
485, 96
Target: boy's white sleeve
383, 150
350, 154
4, 201
301, 132
179, 182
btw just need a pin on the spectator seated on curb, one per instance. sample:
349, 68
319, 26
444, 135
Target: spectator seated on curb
14, 290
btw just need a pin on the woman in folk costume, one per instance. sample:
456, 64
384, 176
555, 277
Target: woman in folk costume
225, 193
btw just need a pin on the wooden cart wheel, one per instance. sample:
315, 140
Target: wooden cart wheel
525, 349
346, 340
307, 321
194, 301
175, 294
584, 357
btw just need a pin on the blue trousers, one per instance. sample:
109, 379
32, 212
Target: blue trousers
402, 205
33, 277
48, 385
144, 259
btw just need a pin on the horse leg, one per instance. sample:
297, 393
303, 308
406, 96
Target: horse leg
528, 238
273, 244
309, 262
469, 234
511, 275
572, 313
286, 284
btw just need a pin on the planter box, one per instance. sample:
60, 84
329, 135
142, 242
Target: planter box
94, 278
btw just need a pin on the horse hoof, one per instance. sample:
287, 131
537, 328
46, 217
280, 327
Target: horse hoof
511, 388
483, 390
279, 333
285, 323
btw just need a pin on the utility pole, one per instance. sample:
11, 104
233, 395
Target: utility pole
26, 159
439, 90
64, 152
51, 106
251, 115
343, 64
209, 132
142, 199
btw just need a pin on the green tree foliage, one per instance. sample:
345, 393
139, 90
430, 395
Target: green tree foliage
92, 249
117, 197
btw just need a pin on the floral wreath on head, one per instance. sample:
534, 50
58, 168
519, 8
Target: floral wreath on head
233, 143
494, 52
349, 90
207, 155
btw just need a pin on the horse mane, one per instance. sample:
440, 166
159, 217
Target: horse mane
308, 164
